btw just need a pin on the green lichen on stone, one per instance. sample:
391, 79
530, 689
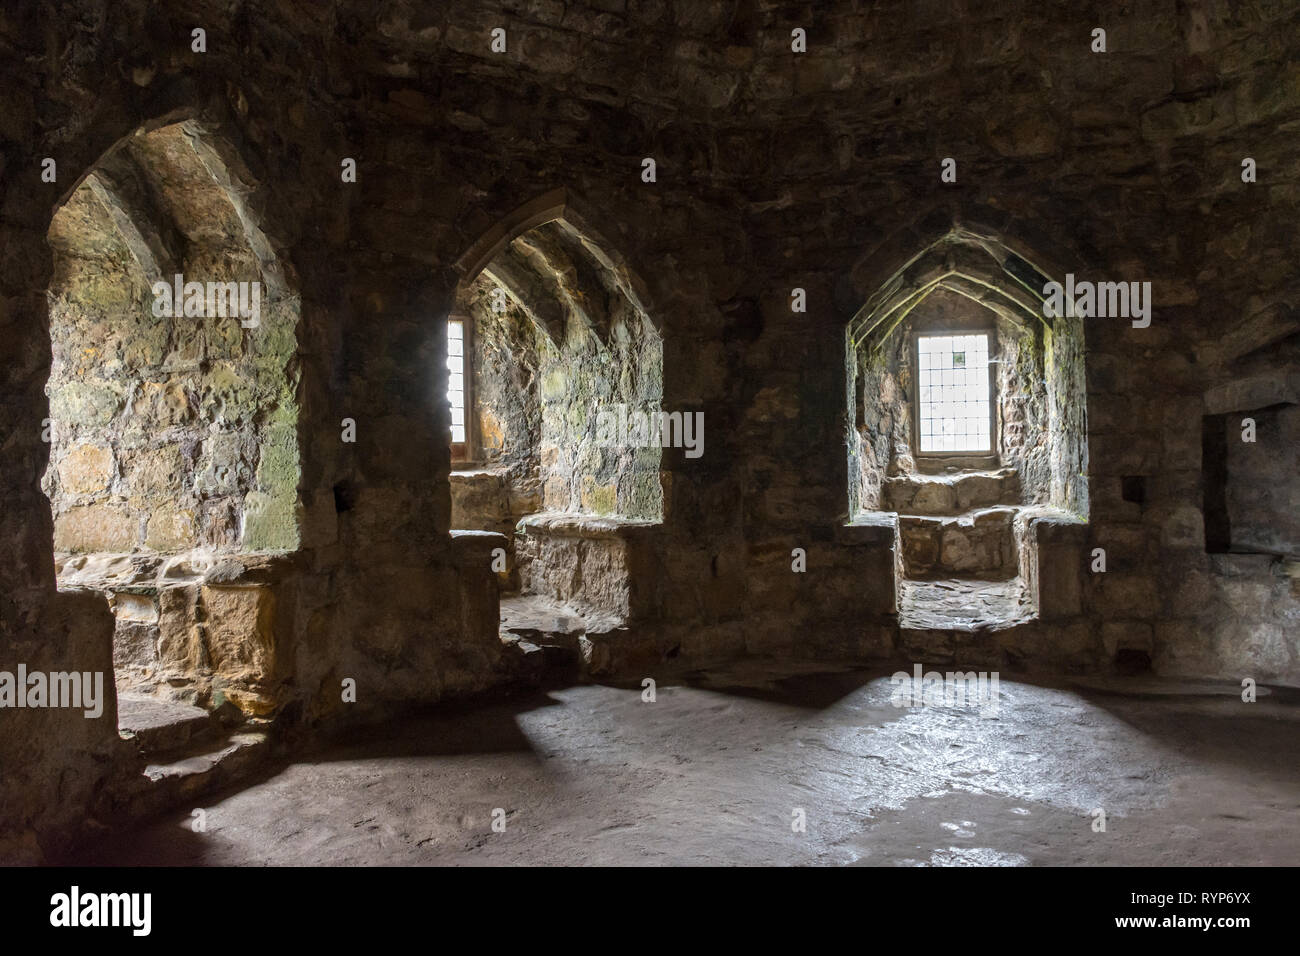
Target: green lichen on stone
554, 385
594, 460
223, 465
85, 404
599, 499
641, 495
199, 412
577, 416
226, 396
105, 293
277, 469
145, 339
271, 523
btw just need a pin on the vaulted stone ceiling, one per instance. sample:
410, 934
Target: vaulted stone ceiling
155, 198
553, 276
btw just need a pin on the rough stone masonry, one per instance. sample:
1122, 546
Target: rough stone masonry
265, 524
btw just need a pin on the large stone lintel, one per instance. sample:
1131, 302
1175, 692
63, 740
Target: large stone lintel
570, 525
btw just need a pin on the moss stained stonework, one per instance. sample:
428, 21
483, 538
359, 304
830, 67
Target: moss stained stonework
168, 432
774, 171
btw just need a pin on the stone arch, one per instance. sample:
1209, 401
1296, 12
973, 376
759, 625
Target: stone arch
228, 155
969, 526
562, 207
566, 362
966, 261
175, 472
163, 201
598, 336
978, 264
50, 627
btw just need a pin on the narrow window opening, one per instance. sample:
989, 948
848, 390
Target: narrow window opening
458, 387
954, 399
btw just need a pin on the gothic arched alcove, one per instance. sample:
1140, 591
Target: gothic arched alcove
174, 465
556, 385
969, 425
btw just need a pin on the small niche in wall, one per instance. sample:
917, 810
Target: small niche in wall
1251, 481
1133, 488
345, 496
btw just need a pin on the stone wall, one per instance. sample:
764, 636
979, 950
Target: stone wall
168, 432
549, 358
580, 473
775, 171
1235, 614
198, 629
1067, 416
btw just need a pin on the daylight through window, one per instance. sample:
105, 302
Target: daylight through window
456, 378
953, 404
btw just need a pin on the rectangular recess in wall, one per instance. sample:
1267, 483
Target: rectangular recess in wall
1251, 489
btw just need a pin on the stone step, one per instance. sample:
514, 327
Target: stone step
954, 494
230, 755
957, 606
981, 544
549, 640
536, 664
157, 724
185, 775
173, 779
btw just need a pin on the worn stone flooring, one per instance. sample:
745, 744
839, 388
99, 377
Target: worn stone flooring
715, 770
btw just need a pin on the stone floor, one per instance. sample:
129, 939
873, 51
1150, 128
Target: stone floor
714, 769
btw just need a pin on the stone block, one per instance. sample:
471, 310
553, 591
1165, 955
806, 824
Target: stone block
135, 647
171, 529
979, 545
86, 469
181, 651
238, 628
96, 527
1127, 635
156, 471
480, 501
979, 491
